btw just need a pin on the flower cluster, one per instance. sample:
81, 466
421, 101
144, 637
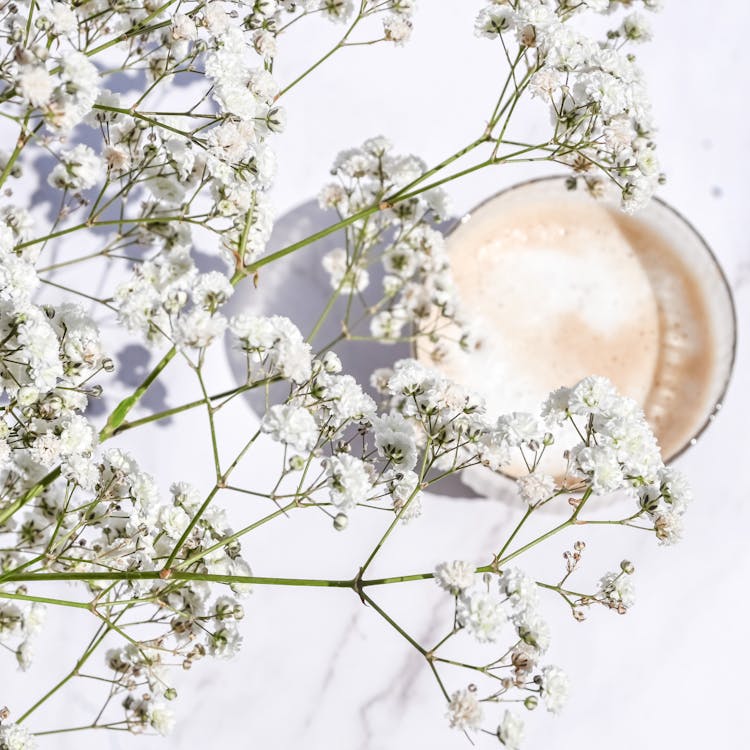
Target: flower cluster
447, 417
122, 524
417, 286
620, 452
48, 356
486, 608
597, 97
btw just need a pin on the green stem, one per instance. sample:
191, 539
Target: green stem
107, 223
533, 543
392, 622
237, 534
319, 62
271, 257
526, 515
401, 512
117, 417
29, 495
188, 530
396, 579
177, 575
140, 28
23, 138
191, 405
73, 672
44, 600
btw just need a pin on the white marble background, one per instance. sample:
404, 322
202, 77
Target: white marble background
320, 671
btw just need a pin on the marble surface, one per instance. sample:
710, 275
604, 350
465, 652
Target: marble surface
318, 670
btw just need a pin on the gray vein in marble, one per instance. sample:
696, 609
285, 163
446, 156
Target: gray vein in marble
349, 630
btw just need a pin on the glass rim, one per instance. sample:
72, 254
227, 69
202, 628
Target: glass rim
716, 407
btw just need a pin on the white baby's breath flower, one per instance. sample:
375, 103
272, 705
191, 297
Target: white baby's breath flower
520, 428
63, 18
394, 439
675, 489
331, 362
464, 710
535, 487
174, 520
600, 465
397, 29
636, 28
35, 85
407, 497
533, 630
79, 169
455, 576
593, 395
24, 656
520, 589
669, 527
617, 590
495, 20
482, 614
16, 737
161, 718
555, 688
510, 731
199, 329
211, 290
349, 480
292, 425
337, 10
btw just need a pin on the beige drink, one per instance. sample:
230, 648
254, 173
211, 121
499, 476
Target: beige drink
565, 286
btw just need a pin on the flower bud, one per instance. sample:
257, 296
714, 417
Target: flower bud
521, 661
331, 362
531, 702
341, 521
627, 567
